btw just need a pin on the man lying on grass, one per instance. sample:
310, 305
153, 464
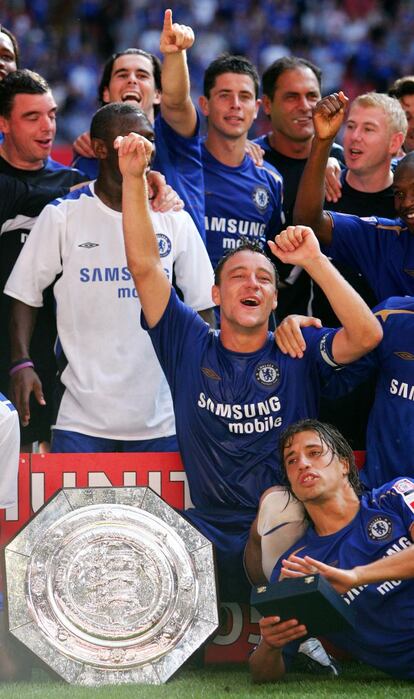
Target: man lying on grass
366, 542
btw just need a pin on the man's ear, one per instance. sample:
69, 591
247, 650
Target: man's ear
157, 97
396, 141
203, 103
345, 467
274, 304
4, 125
266, 105
99, 148
215, 294
105, 95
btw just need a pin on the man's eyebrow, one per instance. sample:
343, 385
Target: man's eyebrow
127, 70
35, 112
366, 122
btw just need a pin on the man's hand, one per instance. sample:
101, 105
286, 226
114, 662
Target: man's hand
82, 145
255, 152
333, 187
134, 154
163, 197
288, 334
175, 37
328, 115
276, 633
342, 580
22, 384
296, 245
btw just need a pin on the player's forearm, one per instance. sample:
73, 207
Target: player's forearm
176, 105
361, 330
22, 322
266, 663
399, 566
140, 241
308, 209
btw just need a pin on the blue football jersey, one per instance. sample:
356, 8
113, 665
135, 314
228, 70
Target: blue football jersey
384, 632
230, 407
381, 249
240, 202
390, 432
179, 159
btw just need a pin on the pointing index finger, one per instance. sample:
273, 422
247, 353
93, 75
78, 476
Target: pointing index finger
168, 25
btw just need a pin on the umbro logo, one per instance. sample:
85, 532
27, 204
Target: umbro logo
408, 356
210, 373
88, 245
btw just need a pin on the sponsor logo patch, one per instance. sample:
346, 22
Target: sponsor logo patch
409, 500
379, 528
267, 374
403, 486
164, 244
88, 245
261, 198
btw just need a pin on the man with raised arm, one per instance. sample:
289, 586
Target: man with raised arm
233, 390
113, 395
135, 76
362, 544
382, 250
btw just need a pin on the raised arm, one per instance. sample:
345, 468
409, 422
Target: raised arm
361, 331
141, 244
177, 107
328, 116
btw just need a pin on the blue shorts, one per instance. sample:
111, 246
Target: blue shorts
65, 441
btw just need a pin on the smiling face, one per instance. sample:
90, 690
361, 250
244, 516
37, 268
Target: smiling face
132, 80
246, 292
232, 106
314, 472
30, 130
296, 93
7, 56
404, 192
368, 141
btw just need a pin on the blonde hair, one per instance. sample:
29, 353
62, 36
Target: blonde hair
397, 120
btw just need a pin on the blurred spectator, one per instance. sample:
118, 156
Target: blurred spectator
370, 42
403, 90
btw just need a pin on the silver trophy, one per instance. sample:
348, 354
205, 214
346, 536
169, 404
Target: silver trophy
111, 586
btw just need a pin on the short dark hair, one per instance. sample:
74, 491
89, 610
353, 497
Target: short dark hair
402, 87
227, 63
103, 119
245, 245
107, 69
20, 82
406, 160
331, 438
15, 45
277, 68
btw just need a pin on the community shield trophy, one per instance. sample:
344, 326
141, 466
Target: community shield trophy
111, 586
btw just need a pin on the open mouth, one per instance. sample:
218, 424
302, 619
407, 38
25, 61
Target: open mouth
249, 301
131, 97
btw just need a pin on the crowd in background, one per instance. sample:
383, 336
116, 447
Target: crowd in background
366, 44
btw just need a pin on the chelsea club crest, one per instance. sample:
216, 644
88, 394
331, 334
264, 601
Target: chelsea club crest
164, 244
380, 528
261, 198
267, 374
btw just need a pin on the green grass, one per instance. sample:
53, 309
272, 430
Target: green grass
223, 682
